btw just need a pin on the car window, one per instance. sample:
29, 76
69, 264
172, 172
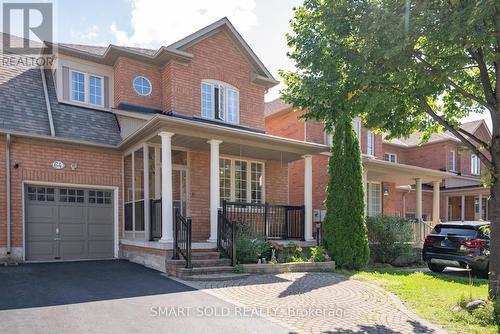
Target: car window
464, 231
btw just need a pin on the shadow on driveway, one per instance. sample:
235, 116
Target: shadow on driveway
49, 284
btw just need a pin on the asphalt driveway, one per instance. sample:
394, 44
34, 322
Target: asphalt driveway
113, 297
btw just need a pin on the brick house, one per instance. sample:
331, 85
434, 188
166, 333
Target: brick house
436, 181
106, 147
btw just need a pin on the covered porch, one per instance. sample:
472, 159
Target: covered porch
193, 166
466, 203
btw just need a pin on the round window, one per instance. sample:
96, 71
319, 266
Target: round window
142, 86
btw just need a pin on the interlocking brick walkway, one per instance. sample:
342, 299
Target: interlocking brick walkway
320, 303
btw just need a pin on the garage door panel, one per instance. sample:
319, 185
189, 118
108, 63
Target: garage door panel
101, 249
72, 249
68, 223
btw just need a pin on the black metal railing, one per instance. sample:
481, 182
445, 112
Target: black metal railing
226, 237
155, 220
268, 220
182, 238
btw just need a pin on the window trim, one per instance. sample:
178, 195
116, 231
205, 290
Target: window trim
226, 86
232, 181
149, 82
475, 158
369, 197
356, 123
391, 154
370, 136
454, 155
86, 87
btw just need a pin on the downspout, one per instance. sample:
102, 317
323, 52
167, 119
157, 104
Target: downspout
47, 102
7, 171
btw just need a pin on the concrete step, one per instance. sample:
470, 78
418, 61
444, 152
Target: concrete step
195, 262
204, 255
216, 277
183, 272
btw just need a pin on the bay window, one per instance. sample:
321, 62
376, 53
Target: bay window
241, 181
220, 101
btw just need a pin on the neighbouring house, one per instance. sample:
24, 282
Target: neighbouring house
436, 181
112, 147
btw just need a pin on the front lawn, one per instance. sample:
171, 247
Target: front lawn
436, 297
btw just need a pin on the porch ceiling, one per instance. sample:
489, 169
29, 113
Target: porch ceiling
400, 174
237, 142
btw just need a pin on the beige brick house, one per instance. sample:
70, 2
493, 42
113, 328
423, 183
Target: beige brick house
437, 181
101, 150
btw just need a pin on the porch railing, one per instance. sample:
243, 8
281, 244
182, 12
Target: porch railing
182, 238
420, 229
226, 237
268, 220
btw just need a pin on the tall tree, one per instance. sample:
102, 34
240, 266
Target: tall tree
404, 66
345, 228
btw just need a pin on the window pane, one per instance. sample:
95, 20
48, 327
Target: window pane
232, 106
206, 100
95, 90
240, 178
224, 180
375, 199
370, 143
139, 174
78, 86
128, 178
257, 182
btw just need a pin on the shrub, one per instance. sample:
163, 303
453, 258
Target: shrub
249, 248
238, 269
317, 254
390, 238
345, 230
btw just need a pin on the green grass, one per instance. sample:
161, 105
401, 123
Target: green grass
436, 297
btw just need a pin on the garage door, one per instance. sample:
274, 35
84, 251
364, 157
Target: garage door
68, 223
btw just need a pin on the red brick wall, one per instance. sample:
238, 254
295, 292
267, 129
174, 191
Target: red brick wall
399, 151
285, 124
276, 186
95, 167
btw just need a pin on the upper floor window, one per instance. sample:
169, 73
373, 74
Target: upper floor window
475, 164
370, 143
87, 88
328, 139
220, 101
452, 163
391, 157
357, 127
142, 86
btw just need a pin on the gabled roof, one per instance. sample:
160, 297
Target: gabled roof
275, 106
108, 55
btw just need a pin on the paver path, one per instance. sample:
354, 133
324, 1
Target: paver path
320, 303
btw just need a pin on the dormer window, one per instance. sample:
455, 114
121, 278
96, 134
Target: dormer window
87, 88
220, 101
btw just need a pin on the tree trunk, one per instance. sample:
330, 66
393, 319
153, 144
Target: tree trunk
494, 217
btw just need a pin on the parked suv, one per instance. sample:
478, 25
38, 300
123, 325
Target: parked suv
458, 244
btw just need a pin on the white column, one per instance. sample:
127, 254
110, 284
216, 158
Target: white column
447, 212
214, 187
480, 206
462, 208
145, 163
166, 187
157, 173
435, 202
418, 199
365, 180
308, 197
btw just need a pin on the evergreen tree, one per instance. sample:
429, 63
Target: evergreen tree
345, 228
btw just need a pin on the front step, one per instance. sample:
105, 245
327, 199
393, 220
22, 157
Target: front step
204, 255
183, 272
216, 277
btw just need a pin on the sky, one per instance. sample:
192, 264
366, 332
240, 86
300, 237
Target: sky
152, 23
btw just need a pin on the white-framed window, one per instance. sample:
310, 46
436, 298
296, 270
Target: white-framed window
374, 198
370, 143
142, 85
220, 101
475, 165
357, 127
328, 138
241, 180
452, 163
391, 157
87, 88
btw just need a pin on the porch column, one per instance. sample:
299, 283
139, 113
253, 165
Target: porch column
308, 197
480, 206
435, 202
214, 187
418, 198
145, 164
462, 209
166, 187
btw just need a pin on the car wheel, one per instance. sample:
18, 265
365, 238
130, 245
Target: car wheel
435, 267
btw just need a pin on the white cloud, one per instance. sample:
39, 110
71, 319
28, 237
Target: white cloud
164, 22
90, 33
